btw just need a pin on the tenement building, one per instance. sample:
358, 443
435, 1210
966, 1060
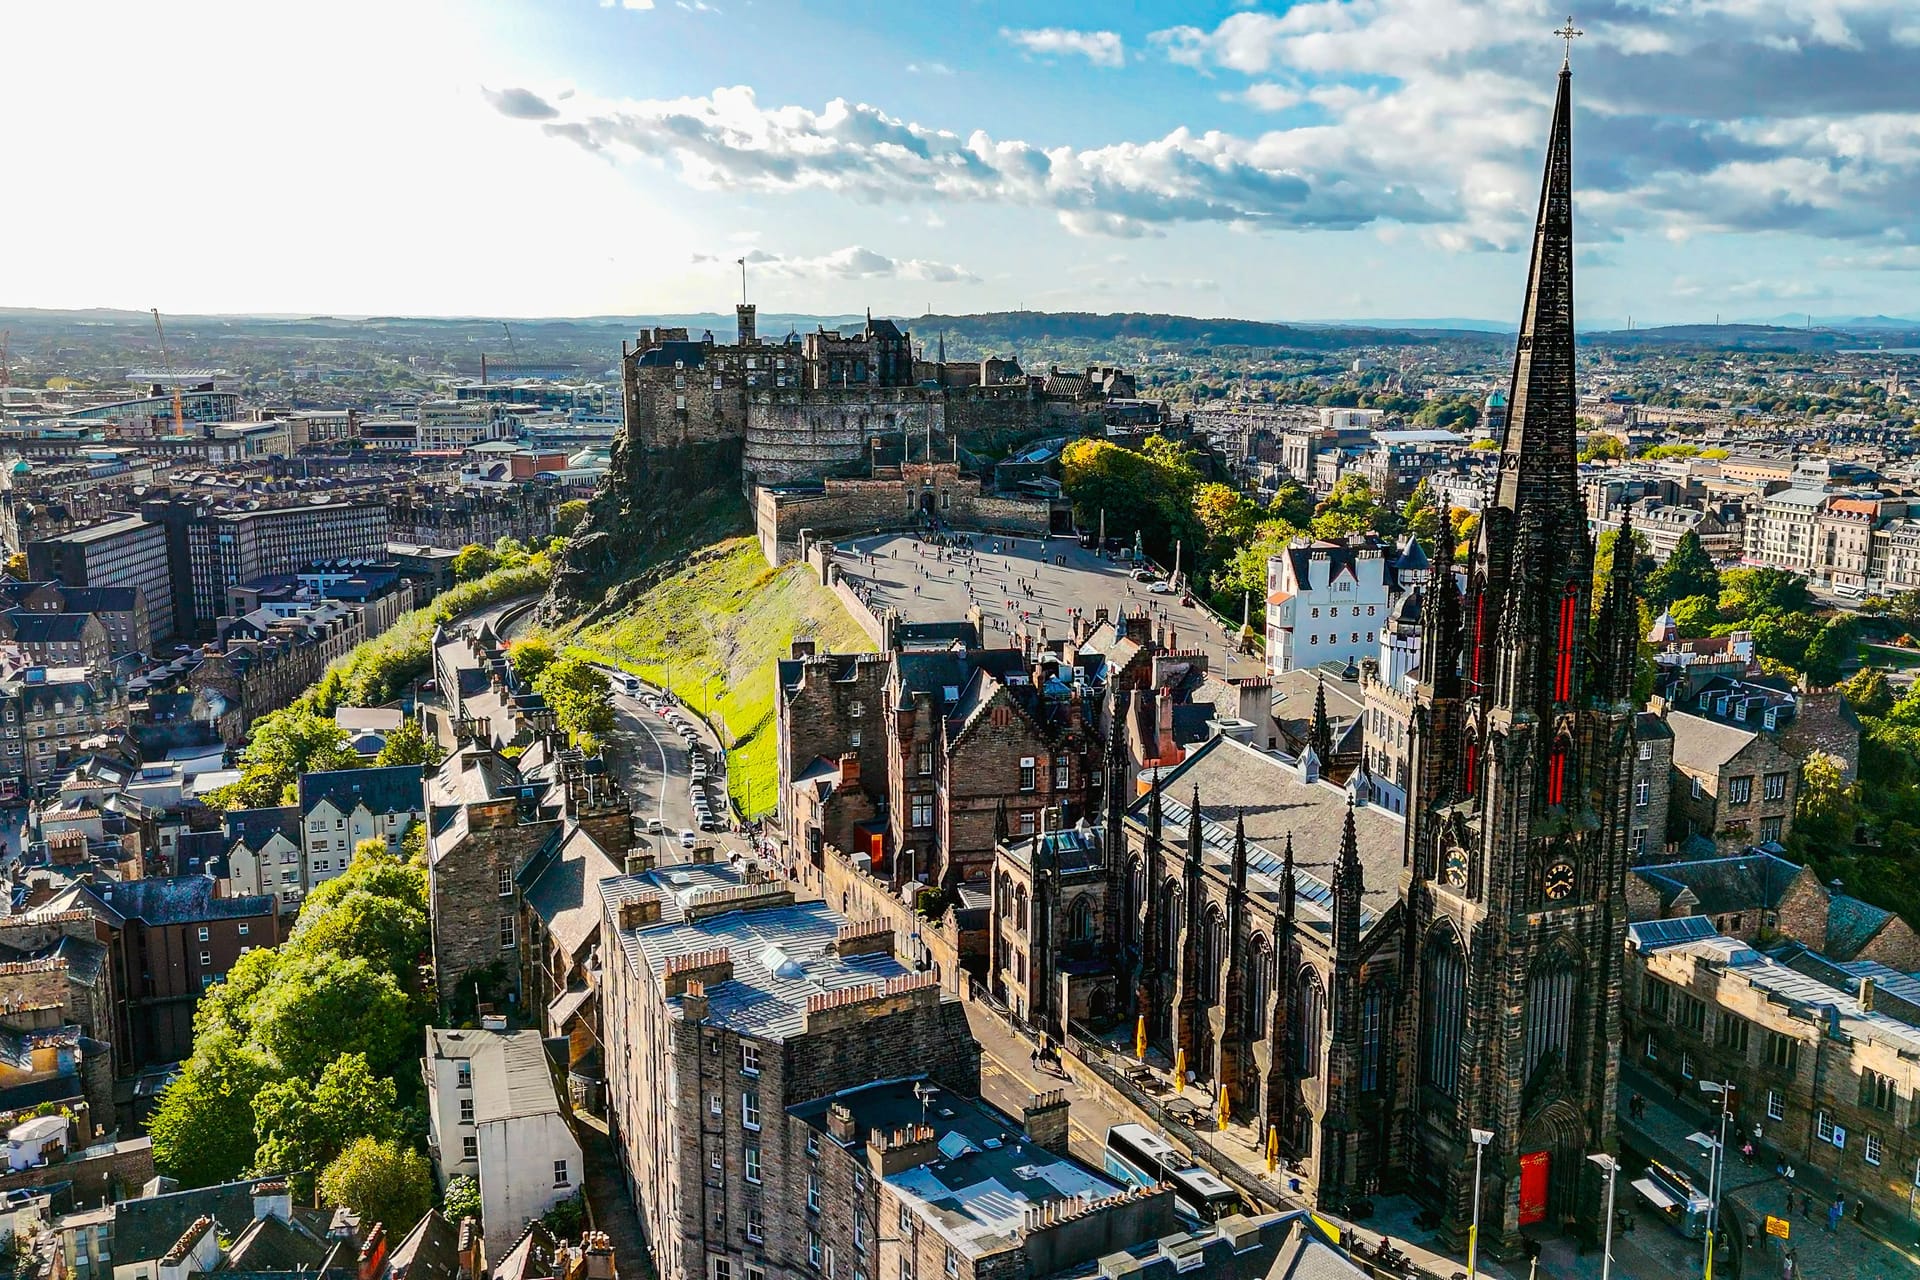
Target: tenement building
1370, 987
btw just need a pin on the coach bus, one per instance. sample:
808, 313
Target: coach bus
1137, 1155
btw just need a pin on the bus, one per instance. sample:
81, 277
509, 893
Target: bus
1684, 1206
1142, 1158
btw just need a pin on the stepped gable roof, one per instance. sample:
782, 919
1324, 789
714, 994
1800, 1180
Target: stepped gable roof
562, 887
1705, 744
255, 827
431, 1251
393, 789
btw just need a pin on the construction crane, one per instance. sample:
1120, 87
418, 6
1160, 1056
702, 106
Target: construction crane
6, 360
512, 347
179, 416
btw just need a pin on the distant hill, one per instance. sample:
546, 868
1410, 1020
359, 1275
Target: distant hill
1727, 337
1024, 328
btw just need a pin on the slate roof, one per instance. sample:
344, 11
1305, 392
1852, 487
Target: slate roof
1276, 801
1074, 851
1738, 883
269, 1244
165, 900
563, 889
146, 1227
667, 354
983, 1179
782, 952
431, 1251
394, 789
32, 626
1703, 744
1851, 925
255, 827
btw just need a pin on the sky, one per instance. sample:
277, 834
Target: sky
1336, 159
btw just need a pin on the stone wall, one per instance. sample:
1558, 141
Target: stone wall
102, 1174
464, 882
896, 499
802, 434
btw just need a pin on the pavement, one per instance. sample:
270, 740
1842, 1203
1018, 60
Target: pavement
1008, 578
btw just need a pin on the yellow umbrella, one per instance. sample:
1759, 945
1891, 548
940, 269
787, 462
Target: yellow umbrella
1180, 1070
1140, 1039
1226, 1107
1273, 1148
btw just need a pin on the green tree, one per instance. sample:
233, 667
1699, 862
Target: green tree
1148, 491
1659, 451
578, 692
1422, 514
1604, 549
1602, 445
388, 932
380, 1180
322, 1005
379, 871
1830, 651
1292, 505
1350, 507
301, 1127
1695, 616
408, 745
568, 515
203, 1128
296, 740
1869, 693
1747, 592
1689, 571
474, 562
1456, 413
1226, 518
228, 1004
529, 657
1827, 809
460, 1200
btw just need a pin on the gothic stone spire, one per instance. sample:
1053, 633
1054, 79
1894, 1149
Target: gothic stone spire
1537, 457
1240, 855
1321, 734
1193, 833
1286, 881
1349, 884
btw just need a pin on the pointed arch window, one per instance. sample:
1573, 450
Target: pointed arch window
1372, 1007
1259, 987
1080, 920
1472, 783
1443, 983
1213, 940
1309, 1013
1563, 644
1170, 918
1557, 772
1479, 633
1551, 993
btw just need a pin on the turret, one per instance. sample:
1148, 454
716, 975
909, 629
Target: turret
1349, 886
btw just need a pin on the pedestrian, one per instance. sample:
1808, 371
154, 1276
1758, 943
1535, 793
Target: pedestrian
1836, 1211
1786, 1266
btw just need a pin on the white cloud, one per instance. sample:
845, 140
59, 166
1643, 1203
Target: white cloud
728, 141
855, 262
1101, 48
1268, 96
929, 69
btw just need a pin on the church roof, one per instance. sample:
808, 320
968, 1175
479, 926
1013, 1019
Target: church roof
1276, 801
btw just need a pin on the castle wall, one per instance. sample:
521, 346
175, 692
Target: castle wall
796, 434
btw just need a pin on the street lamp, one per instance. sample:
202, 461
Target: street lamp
1612, 1167
1481, 1137
1717, 1169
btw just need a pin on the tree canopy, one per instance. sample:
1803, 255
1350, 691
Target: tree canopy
381, 1180
1688, 571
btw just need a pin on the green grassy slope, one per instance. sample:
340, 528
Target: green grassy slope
711, 631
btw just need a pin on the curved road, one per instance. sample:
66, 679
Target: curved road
655, 768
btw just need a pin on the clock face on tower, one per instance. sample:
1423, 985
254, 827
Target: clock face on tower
1457, 867
1559, 879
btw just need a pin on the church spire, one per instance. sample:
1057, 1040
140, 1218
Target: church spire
1321, 734
1618, 639
1538, 455
1349, 885
1240, 854
1193, 831
1286, 881
1440, 619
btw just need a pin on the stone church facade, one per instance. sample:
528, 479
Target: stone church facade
1373, 986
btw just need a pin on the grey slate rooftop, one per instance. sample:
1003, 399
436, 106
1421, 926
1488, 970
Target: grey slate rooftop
782, 951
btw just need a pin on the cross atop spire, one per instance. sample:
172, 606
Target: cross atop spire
1569, 33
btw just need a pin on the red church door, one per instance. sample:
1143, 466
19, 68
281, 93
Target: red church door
1533, 1187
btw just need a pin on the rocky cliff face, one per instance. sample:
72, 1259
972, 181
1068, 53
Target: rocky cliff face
639, 513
